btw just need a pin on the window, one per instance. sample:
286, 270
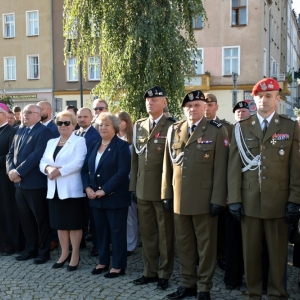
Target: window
239, 12
72, 69
265, 15
94, 68
197, 62
231, 60
32, 22
265, 63
197, 22
33, 67
10, 68
274, 67
9, 25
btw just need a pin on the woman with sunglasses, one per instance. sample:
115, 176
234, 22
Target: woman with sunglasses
62, 162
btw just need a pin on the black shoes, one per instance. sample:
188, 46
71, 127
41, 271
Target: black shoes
41, 259
26, 255
73, 268
204, 296
99, 270
129, 253
60, 265
163, 283
94, 252
145, 280
183, 292
114, 274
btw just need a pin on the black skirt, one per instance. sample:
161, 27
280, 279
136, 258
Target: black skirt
67, 214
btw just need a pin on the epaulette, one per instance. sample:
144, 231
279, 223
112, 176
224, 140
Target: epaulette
245, 119
215, 123
226, 122
178, 124
288, 117
171, 119
141, 120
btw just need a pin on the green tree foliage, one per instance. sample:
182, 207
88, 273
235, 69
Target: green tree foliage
7, 100
141, 43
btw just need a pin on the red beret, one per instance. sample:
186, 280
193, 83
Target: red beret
266, 84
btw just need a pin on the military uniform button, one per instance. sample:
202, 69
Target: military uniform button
184, 177
184, 168
99, 187
264, 147
264, 177
98, 175
264, 157
186, 150
147, 169
264, 167
185, 158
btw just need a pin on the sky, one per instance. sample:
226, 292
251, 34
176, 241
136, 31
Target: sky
296, 6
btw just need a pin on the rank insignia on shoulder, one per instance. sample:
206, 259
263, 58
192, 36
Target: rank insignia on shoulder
215, 123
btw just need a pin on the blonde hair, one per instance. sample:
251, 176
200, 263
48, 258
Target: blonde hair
112, 118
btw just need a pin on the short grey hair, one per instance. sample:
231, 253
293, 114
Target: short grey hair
112, 118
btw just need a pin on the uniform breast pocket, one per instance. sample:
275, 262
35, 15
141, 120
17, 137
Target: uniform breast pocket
252, 147
205, 153
281, 151
159, 146
177, 148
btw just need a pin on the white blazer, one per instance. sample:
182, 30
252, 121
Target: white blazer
70, 158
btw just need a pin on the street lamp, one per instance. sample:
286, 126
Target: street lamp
234, 92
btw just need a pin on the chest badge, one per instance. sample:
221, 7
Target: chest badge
159, 148
281, 152
206, 156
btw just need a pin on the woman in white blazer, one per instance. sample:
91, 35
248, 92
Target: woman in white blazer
62, 162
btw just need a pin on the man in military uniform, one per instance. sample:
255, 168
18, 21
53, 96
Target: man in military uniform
234, 266
241, 111
156, 221
210, 112
194, 175
264, 187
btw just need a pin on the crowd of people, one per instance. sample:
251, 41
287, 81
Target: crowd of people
229, 193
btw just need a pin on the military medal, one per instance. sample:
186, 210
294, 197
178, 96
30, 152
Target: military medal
253, 123
276, 121
281, 152
273, 142
159, 148
155, 141
206, 156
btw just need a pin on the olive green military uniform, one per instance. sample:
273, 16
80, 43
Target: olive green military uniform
227, 125
156, 224
195, 182
265, 196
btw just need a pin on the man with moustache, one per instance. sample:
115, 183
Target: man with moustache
22, 166
155, 217
194, 175
264, 187
10, 233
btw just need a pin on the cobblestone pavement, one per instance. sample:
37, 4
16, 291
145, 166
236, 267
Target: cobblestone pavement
24, 280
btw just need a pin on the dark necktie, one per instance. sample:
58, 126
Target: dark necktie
192, 129
153, 126
25, 135
265, 127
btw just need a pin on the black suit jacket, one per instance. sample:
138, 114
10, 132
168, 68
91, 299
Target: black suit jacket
111, 174
91, 136
25, 157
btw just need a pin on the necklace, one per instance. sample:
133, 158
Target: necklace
4, 128
61, 141
105, 144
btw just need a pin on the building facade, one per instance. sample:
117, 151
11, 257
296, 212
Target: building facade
26, 51
245, 37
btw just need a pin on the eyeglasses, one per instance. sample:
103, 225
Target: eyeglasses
99, 108
66, 123
28, 112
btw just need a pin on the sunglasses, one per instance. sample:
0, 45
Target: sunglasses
66, 123
99, 108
